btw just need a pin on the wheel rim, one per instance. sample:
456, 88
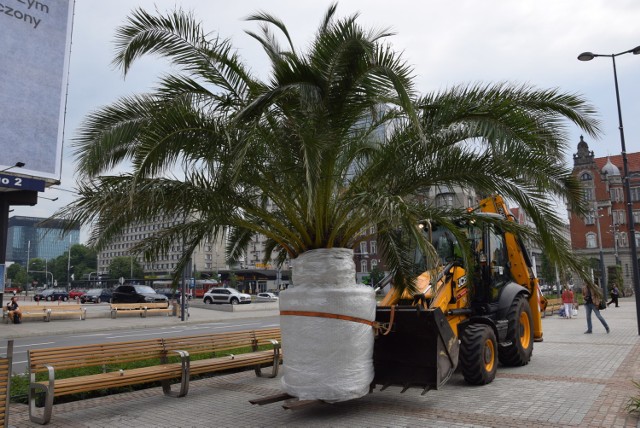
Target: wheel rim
525, 330
489, 355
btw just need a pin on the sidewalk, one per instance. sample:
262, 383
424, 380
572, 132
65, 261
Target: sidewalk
99, 319
573, 380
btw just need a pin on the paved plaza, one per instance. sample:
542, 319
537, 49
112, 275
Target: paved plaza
573, 380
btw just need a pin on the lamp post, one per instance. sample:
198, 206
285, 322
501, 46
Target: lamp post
614, 230
588, 56
603, 274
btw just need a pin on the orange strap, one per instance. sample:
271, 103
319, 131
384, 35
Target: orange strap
326, 315
373, 324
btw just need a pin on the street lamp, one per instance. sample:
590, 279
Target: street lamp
614, 231
603, 274
588, 56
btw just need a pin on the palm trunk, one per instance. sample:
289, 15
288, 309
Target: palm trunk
327, 358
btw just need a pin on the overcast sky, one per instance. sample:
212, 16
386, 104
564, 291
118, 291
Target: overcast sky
457, 41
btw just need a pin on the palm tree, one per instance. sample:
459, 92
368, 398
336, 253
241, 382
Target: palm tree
304, 141
336, 140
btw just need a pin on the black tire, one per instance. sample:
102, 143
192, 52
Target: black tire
48, 299
478, 349
64, 299
234, 301
519, 334
98, 300
208, 300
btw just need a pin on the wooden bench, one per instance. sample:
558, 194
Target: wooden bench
552, 306
65, 310
27, 312
5, 384
140, 308
46, 312
217, 347
105, 355
158, 308
111, 356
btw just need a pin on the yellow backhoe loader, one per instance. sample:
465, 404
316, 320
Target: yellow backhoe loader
460, 318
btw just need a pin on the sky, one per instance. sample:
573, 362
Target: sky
533, 42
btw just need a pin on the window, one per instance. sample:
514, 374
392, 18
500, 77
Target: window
588, 194
619, 217
374, 264
363, 248
591, 240
585, 176
374, 247
444, 200
635, 194
637, 239
636, 217
624, 242
616, 194
363, 266
590, 218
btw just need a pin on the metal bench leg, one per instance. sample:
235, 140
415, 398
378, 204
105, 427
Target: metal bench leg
184, 377
48, 399
276, 362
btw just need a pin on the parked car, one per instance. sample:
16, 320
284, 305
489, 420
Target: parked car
266, 297
137, 294
172, 293
225, 295
75, 294
96, 295
52, 294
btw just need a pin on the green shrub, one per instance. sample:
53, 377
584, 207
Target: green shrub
633, 405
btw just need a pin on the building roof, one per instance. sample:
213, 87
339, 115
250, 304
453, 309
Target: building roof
633, 161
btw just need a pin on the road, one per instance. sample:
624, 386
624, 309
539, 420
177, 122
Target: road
21, 346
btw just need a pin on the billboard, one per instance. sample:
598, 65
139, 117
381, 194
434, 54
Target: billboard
36, 40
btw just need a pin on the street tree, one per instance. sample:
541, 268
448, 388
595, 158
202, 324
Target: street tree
125, 267
334, 140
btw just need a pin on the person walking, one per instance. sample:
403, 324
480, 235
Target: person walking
567, 301
615, 293
591, 304
15, 314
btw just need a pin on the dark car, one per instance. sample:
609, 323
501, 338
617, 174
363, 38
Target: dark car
137, 294
96, 295
51, 294
172, 293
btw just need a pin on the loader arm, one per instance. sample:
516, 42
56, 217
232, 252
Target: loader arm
520, 263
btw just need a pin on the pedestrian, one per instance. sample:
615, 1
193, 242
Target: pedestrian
615, 293
15, 314
592, 304
567, 301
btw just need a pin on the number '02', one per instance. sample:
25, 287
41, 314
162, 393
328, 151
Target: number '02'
17, 181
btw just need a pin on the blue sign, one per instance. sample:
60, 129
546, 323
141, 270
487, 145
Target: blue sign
21, 183
2, 278
192, 283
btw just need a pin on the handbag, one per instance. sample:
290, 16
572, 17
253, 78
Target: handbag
602, 305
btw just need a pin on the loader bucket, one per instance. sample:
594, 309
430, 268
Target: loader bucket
420, 350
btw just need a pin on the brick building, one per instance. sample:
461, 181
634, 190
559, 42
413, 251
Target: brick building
606, 227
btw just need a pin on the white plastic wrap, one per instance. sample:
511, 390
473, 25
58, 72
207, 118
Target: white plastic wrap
327, 359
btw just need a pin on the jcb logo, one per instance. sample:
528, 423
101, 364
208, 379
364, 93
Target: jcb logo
462, 281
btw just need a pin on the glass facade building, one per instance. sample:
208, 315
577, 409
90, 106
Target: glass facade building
29, 238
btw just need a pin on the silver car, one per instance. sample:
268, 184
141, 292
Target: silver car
266, 297
225, 295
